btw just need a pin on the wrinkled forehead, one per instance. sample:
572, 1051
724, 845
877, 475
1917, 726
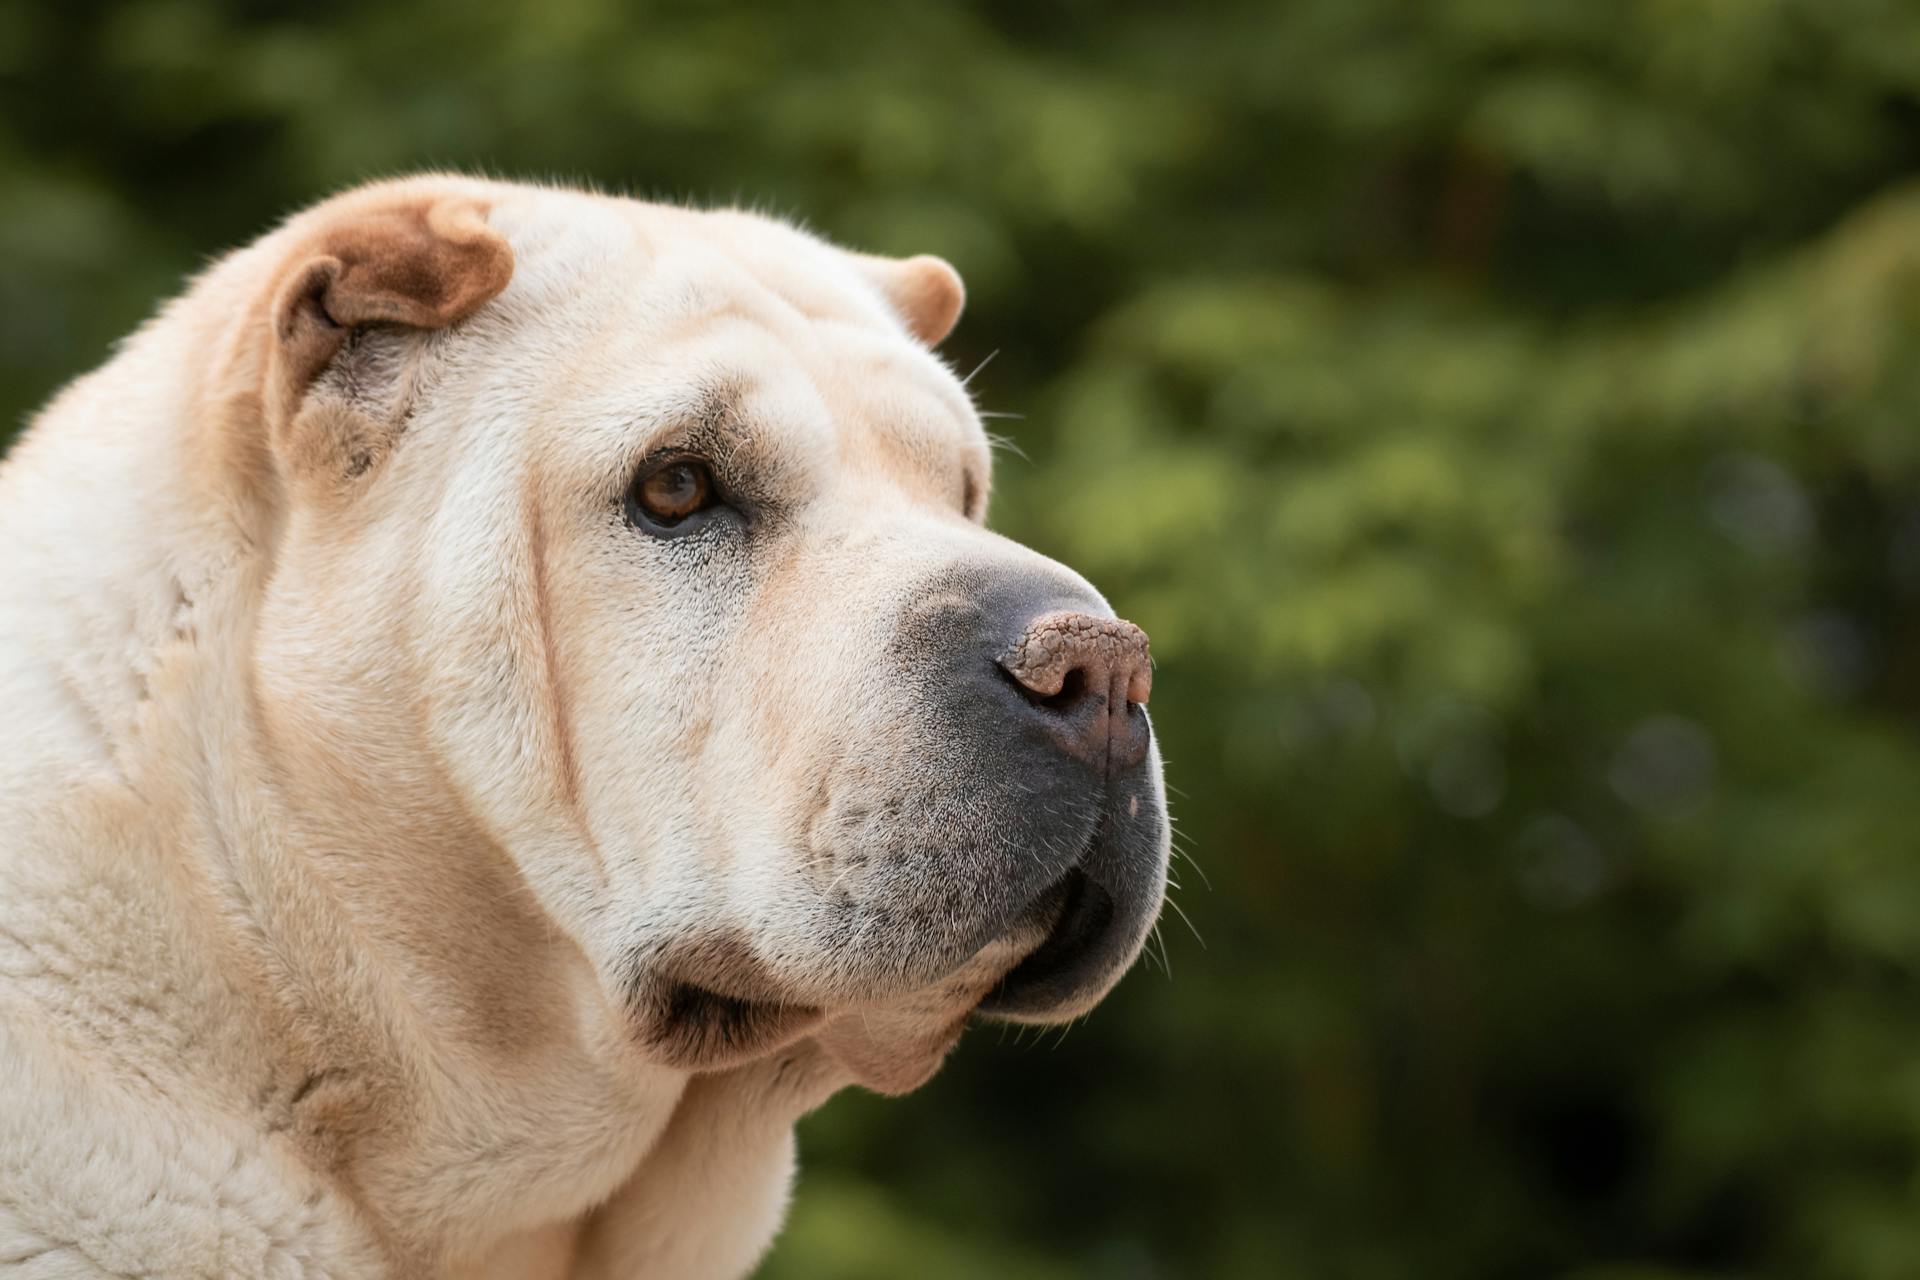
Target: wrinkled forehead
676, 319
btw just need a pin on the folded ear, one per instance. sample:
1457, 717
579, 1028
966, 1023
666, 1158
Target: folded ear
924, 291
415, 262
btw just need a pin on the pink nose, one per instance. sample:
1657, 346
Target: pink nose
1089, 676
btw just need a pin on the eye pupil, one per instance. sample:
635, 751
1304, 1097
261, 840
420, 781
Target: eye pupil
675, 492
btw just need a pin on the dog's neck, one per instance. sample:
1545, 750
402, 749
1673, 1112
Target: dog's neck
462, 1084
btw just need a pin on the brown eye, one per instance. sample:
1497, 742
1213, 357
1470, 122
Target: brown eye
671, 493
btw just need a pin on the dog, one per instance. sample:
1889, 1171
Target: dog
510, 702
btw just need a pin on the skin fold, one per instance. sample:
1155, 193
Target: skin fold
416, 859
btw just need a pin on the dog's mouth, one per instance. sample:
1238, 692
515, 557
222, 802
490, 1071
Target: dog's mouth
697, 1028
710, 1002
1082, 911
1095, 916
736, 1012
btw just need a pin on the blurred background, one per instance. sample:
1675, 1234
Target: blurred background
1501, 415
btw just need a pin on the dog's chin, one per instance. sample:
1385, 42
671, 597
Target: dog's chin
895, 1044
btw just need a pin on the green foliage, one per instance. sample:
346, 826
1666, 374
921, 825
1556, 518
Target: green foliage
1501, 415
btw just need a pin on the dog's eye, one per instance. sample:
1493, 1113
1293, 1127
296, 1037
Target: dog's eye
672, 492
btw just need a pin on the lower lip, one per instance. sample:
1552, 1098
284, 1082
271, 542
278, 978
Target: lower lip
1085, 913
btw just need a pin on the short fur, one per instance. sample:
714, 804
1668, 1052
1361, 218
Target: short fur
406, 867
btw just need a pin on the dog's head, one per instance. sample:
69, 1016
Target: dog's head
663, 531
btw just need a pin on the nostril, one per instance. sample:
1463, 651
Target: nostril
1060, 655
1087, 676
1071, 687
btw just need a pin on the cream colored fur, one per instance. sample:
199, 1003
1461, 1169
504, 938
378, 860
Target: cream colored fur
334, 799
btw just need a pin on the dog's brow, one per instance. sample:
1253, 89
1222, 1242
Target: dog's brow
709, 413
714, 421
716, 404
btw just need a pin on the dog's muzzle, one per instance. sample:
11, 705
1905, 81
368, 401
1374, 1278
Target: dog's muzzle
1061, 686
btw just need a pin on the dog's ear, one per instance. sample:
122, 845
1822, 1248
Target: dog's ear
411, 263
924, 291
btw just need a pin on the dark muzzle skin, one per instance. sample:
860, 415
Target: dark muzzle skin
1045, 688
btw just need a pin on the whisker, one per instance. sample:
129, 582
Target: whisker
1189, 923
1148, 952
1071, 1024
977, 368
1187, 854
1006, 444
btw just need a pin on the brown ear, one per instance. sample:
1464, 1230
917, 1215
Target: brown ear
422, 263
924, 291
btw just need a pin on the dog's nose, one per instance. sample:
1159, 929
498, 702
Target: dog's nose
1088, 677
